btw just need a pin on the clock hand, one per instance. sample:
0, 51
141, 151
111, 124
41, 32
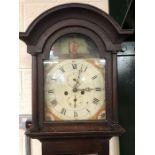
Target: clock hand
84, 89
77, 80
89, 89
75, 99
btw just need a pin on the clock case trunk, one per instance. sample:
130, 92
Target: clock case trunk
108, 36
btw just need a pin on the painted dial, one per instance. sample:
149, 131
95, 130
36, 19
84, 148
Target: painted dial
74, 90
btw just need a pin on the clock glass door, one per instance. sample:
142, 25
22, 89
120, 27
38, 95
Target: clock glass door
74, 81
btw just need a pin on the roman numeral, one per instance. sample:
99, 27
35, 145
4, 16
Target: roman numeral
95, 101
54, 103
51, 91
63, 111
98, 89
75, 114
88, 110
83, 69
94, 77
62, 69
74, 66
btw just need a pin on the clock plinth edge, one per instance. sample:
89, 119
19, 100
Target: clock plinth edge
116, 131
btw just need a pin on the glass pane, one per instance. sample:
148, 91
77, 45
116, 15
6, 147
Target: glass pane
74, 46
74, 89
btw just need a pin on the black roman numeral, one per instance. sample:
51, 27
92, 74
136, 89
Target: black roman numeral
95, 101
94, 77
62, 69
51, 91
54, 103
75, 114
63, 111
88, 110
74, 66
98, 89
83, 69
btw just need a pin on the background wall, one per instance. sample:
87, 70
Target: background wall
30, 9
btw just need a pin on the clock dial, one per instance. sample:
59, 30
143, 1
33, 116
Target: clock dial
74, 89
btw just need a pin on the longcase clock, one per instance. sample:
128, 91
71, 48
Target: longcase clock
74, 79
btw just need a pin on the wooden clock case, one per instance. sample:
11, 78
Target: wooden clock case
74, 137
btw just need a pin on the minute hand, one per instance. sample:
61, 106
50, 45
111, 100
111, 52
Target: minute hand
87, 89
77, 80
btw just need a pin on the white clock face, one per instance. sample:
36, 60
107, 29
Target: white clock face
74, 89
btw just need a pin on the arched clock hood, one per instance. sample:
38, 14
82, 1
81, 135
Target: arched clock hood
78, 16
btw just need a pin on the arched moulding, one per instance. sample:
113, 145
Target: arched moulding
75, 16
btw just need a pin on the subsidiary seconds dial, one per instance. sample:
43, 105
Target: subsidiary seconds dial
74, 90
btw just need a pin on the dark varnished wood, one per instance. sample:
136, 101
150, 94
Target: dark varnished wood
34, 93
114, 85
72, 137
76, 147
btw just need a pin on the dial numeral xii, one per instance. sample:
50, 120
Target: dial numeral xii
74, 66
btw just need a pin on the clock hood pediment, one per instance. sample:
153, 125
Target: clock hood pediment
74, 15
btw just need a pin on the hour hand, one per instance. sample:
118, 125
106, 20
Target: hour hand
75, 100
77, 80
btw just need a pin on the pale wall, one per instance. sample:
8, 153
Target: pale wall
28, 11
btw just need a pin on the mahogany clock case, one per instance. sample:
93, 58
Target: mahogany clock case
40, 37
